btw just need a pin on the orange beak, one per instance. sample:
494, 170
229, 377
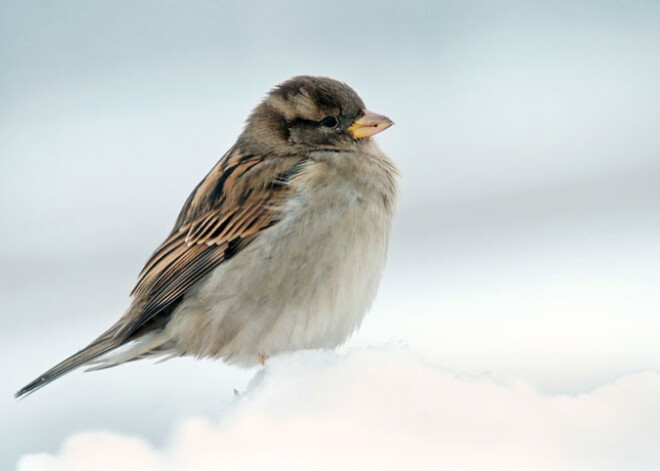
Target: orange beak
369, 124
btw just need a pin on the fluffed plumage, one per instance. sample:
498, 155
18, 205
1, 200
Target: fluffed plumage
280, 247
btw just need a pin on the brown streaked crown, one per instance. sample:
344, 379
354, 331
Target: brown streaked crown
305, 113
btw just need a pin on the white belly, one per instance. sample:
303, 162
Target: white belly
306, 282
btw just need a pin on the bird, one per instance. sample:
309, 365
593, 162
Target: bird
281, 247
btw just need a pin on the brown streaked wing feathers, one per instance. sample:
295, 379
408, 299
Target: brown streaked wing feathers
240, 197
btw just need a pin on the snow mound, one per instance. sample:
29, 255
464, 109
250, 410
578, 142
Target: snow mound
387, 408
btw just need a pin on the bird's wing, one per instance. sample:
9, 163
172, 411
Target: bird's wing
240, 197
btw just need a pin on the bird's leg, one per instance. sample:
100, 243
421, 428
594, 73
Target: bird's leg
262, 358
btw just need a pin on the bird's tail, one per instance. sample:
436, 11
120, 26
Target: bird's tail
102, 345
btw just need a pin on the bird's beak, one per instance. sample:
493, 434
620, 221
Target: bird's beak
369, 124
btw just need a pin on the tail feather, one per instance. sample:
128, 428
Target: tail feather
148, 346
94, 350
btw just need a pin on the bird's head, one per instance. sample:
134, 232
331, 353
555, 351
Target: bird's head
312, 113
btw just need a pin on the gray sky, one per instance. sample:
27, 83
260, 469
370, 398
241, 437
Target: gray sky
526, 133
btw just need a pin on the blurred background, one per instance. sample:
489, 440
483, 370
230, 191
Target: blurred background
527, 242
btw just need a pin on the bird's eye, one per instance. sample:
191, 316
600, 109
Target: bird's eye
329, 122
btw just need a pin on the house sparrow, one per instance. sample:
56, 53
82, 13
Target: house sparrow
279, 248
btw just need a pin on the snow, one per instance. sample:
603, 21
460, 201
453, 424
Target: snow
387, 407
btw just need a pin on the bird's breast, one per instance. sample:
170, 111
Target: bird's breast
305, 282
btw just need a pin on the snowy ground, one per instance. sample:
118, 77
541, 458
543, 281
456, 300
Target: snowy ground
387, 408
